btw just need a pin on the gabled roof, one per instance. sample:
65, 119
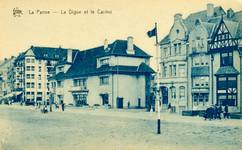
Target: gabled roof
200, 71
227, 70
233, 23
50, 53
85, 63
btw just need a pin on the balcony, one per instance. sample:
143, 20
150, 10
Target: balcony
78, 89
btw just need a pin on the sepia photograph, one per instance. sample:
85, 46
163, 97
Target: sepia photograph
120, 75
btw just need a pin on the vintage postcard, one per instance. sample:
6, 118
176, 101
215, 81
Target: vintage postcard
120, 75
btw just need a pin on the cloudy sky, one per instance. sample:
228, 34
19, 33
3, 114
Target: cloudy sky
82, 31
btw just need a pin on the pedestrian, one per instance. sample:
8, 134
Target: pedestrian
169, 107
220, 111
62, 106
215, 113
128, 104
226, 112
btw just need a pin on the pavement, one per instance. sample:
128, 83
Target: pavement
24, 127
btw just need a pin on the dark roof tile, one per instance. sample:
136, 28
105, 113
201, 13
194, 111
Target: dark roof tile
227, 70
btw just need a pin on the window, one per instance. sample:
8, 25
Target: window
39, 77
53, 84
79, 82
60, 84
32, 85
39, 86
28, 76
181, 68
27, 60
60, 69
227, 90
170, 70
175, 49
174, 71
165, 71
179, 48
173, 92
32, 60
104, 80
48, 86
28, 85
104, 61
39, 62
182, 92
39, 68
165, 52
32, 68
28, 68
226, 59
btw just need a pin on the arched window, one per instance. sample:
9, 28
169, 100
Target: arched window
182, 92
173, 92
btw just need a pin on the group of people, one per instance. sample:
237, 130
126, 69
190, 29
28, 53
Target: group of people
216, 112
45, 109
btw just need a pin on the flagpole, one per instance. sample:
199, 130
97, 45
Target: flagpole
157, 82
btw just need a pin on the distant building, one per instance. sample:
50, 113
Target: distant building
5, 78
116, 74
190, 61
32, 70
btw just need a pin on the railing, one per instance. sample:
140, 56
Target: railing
78, 88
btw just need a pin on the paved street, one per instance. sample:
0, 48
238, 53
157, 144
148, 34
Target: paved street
24, 128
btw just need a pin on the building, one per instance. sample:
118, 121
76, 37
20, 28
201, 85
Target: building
32, 69
116, 74
6, 78
190, 59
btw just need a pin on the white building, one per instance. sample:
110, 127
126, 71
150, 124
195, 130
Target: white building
32, 70
113, 74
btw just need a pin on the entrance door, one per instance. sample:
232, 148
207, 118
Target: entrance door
104, 99
120, 102
164, 91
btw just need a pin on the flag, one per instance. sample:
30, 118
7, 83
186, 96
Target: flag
152, 32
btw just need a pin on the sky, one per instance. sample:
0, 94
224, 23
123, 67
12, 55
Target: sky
84, 31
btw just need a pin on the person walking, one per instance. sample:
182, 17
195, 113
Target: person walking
220, 111
62, 106
226, 112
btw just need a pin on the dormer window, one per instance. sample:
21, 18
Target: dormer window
104, 61
45, 55
60, 69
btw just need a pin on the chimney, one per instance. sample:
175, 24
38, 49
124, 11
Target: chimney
105, 44
210, 10
69, 55
177, 17
130, 45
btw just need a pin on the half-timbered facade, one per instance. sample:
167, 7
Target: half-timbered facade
225, 56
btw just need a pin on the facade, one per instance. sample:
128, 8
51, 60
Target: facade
195, 84
32, 70
6, 78
116, 74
